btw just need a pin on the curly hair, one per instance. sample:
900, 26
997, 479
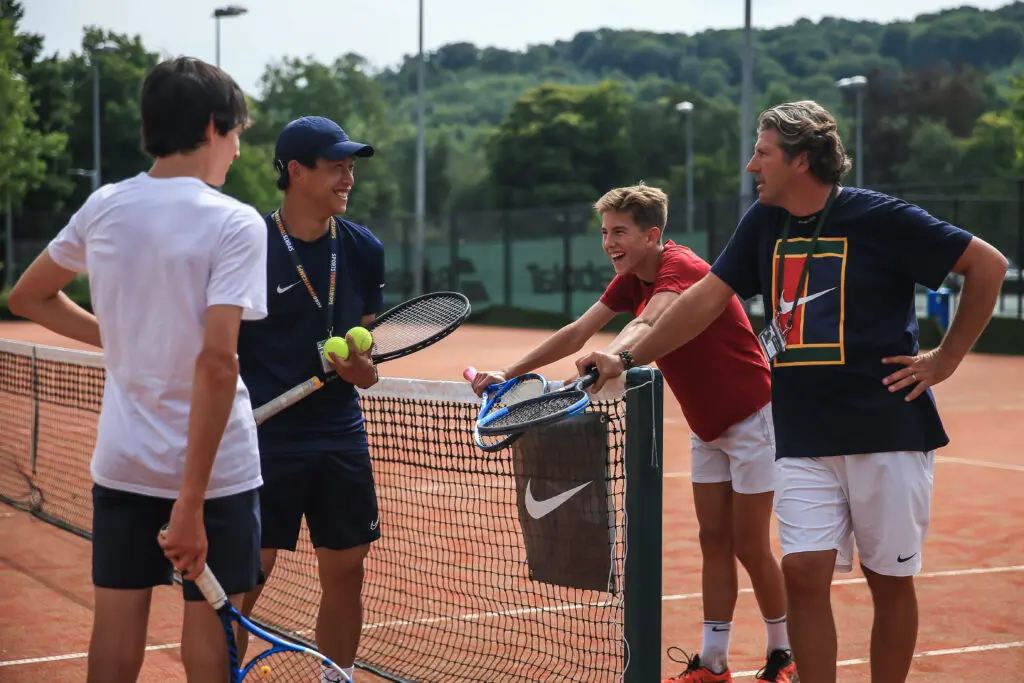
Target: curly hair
806, 126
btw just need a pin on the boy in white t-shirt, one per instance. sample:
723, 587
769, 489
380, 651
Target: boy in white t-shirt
174, 266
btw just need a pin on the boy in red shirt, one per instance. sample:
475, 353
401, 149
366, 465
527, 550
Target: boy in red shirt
722, 383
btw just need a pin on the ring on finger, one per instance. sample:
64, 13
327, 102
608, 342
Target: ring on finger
913, 376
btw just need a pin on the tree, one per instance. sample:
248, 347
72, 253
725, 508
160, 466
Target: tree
23, 148
252, 178
560, 144
345, 93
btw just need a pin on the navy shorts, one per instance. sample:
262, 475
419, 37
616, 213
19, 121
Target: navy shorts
126, 555
334, 490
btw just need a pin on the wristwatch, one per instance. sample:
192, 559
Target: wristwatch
627, 359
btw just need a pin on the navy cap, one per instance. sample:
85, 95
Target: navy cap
315, 137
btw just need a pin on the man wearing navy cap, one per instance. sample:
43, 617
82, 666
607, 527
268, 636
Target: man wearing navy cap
325, 275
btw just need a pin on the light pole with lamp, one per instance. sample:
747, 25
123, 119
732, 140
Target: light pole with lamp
228, 11
103, 48
746, 111
421, 168
686, 109
858, 84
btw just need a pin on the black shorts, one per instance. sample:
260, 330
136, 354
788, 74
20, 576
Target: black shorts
334, 490
126, 555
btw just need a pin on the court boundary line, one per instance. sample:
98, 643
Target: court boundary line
858, 661
665, 598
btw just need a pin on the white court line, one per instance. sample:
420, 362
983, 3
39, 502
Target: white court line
850, 582
568, 608
77, 655
918, 655
980, 463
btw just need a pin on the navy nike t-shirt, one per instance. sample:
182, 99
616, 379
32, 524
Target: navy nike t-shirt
280, 351
857, 307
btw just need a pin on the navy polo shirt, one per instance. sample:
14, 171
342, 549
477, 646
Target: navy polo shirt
280, 351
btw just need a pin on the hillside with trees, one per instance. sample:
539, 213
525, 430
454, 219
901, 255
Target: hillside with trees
553, 125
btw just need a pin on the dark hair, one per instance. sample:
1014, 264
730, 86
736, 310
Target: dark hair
283, 179
179, 98
806, 126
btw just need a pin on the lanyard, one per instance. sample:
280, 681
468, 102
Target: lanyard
302, 271
807, 261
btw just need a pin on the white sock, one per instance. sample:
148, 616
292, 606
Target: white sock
715, 655
778, 635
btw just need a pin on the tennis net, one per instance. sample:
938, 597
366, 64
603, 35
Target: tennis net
449, 592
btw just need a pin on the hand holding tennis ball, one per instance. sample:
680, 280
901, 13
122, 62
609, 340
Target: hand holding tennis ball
338, 346
357, 369
359, 337
362, 338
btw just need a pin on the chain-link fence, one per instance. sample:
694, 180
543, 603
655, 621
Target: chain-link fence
550, 259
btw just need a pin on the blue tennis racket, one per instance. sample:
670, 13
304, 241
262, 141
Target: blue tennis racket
500, 396
553, 406
284, 661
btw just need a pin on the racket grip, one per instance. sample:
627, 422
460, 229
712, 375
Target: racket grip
207, 583
288, 398
469, 373
210, 587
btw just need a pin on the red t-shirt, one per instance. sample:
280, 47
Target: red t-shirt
720, 377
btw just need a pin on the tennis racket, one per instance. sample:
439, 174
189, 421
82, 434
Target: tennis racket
405, 329
284, 661
553, 406
499, 396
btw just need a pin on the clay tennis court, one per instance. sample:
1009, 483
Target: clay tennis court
971, 591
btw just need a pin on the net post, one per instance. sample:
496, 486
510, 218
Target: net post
642, 581
34, 438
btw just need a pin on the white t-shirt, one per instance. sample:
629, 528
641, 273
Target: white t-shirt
158, 252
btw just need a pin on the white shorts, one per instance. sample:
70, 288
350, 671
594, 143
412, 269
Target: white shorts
744, 454
880, 500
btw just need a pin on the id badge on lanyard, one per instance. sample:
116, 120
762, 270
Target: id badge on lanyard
773, 341
773, 337
329, 311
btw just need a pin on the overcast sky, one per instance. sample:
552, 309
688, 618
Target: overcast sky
385, 30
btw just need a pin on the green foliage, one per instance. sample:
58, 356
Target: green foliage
552, 124
24, 148
560, 144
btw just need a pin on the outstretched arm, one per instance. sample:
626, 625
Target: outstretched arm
565, 341
638, 327
688, 315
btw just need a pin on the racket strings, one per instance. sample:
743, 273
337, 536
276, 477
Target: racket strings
417, 323
524, 413
527, 389
287, 666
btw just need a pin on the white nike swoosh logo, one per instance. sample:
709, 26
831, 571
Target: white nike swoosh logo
540, 508
787, 306
382, 285
374, 523
282, 290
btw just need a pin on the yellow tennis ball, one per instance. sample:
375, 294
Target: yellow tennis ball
338, 346
362, 338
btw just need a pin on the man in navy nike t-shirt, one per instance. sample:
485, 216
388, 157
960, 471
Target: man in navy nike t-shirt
856, 423
325, 275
